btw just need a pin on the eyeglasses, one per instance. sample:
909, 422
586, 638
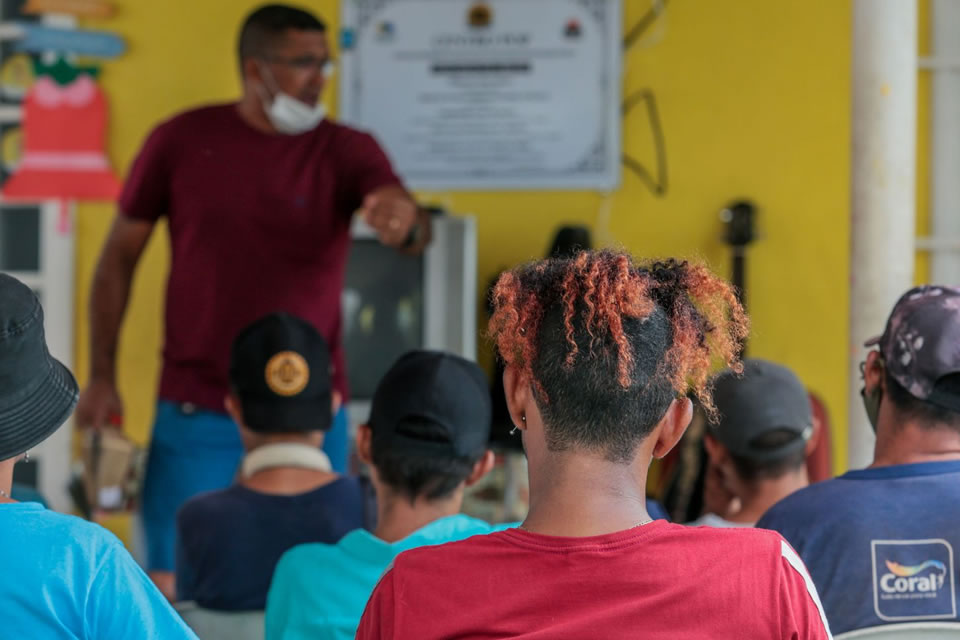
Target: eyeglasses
326, 66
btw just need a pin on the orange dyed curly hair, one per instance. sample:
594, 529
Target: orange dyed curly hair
600, 304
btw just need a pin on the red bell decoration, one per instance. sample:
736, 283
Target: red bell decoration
63, 149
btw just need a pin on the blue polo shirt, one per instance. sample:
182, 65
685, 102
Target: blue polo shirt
319, 591
880, 543
65, 578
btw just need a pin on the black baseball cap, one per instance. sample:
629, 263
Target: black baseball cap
444, 390
280, 370
37, 393
767, 397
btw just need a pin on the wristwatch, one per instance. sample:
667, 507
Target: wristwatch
414, 236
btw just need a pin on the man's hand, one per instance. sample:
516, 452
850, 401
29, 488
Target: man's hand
99, 406
392, 214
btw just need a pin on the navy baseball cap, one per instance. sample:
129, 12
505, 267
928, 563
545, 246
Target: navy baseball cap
921, 342
280, 370
767, 397
449, 393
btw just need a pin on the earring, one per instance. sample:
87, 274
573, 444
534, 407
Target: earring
513, 431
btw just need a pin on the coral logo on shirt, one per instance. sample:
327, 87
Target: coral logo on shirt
913, 579
903, 579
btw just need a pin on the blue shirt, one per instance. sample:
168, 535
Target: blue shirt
63, 577
229, 541
656, 511
319, 591
879, 543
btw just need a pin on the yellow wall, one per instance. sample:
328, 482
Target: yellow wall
754, 98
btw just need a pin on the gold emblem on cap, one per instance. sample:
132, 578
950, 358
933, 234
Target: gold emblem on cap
480, 15
287, 373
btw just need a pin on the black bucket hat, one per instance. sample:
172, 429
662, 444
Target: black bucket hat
37, 393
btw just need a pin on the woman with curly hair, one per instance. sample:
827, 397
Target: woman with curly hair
601, 357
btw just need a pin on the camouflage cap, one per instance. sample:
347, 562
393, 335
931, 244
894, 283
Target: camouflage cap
921, 342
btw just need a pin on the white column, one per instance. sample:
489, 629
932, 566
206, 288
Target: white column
883, 183
945, 142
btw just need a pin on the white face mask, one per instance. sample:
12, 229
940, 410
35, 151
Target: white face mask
290, 116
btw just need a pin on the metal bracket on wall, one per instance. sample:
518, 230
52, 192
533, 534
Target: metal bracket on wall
935, 63
932, 244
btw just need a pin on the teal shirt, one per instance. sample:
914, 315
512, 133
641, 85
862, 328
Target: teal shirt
68, 579
319, 591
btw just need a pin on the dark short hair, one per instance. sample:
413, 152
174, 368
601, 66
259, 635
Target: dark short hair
579, 404
751, 470
422, 475
924, 412
266, 24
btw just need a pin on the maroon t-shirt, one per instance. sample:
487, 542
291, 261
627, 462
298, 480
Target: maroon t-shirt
258, 223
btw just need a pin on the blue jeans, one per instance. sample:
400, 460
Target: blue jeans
193, 452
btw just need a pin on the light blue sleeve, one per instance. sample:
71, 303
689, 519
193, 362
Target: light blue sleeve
124, 603
278, 599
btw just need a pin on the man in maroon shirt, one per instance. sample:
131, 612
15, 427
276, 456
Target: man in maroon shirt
600, 355
259, 196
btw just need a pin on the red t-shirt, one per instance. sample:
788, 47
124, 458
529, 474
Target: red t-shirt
258, 223
658, 581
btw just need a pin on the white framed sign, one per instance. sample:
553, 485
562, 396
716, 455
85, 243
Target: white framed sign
495, 94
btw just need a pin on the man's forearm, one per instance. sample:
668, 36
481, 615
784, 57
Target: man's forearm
108, 303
